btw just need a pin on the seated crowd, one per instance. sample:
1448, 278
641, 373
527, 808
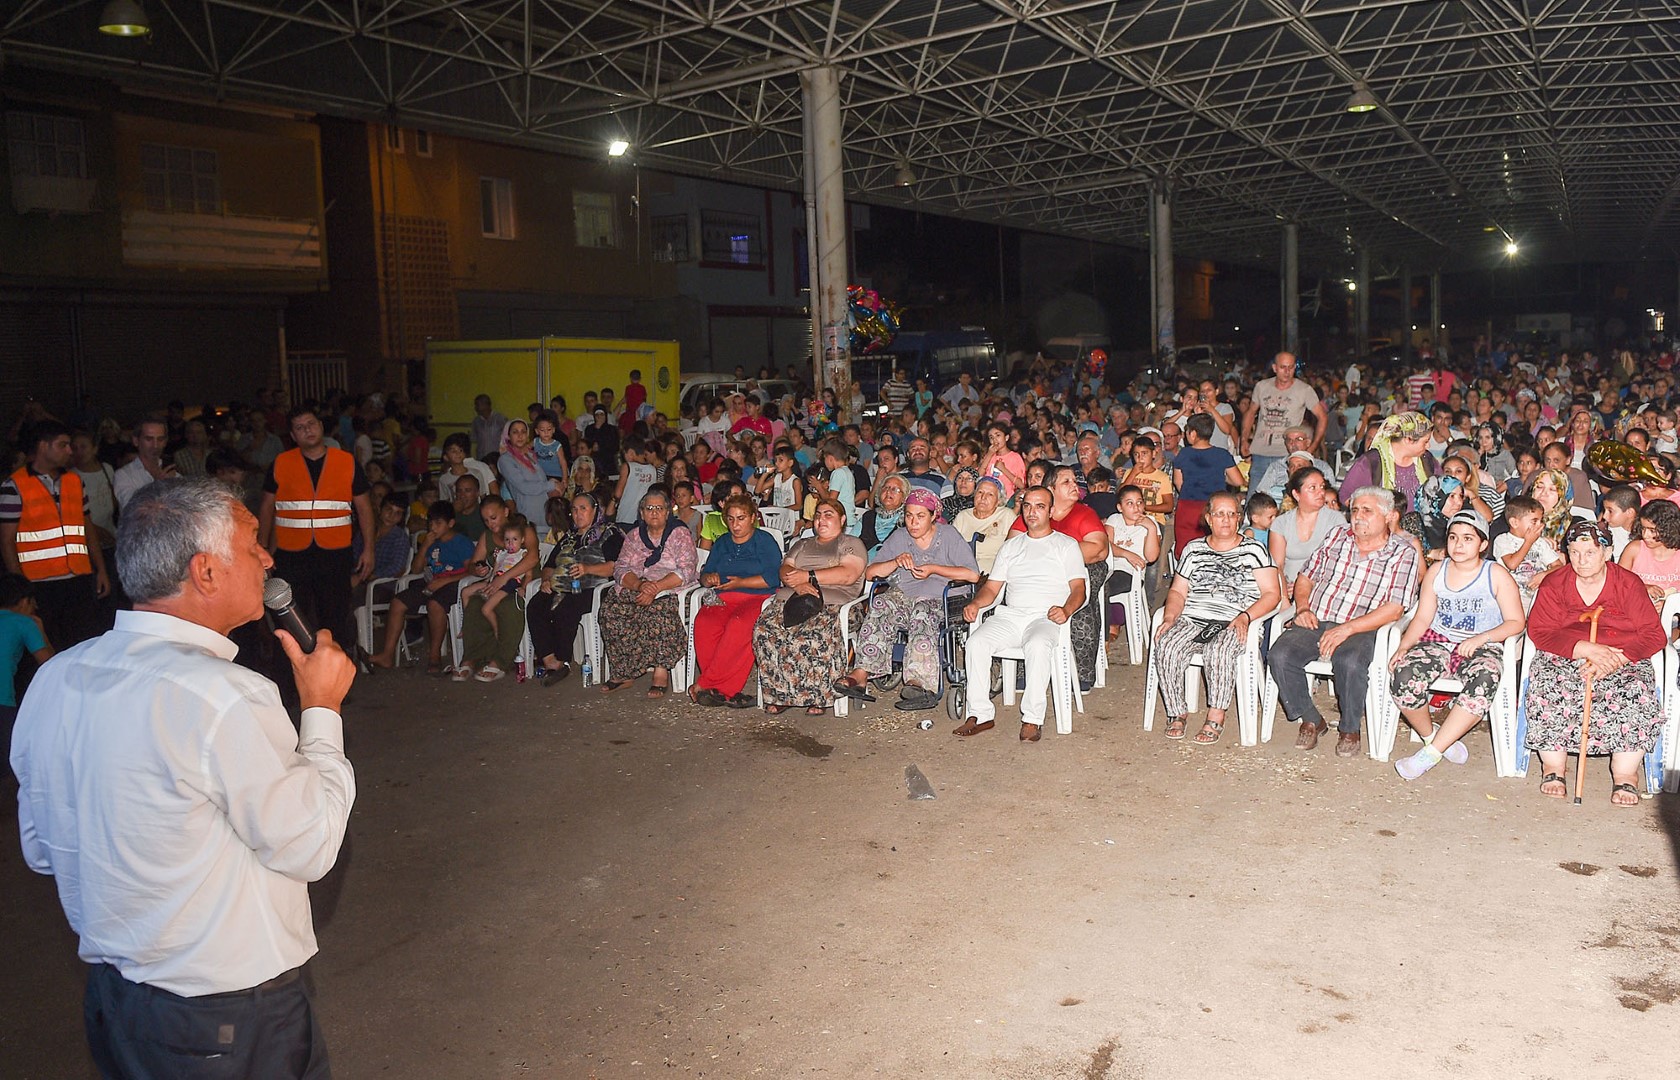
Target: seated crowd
831, 544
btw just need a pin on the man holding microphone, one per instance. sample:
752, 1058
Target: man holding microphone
165, 789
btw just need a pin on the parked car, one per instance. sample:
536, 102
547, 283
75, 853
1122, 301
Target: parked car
700, 385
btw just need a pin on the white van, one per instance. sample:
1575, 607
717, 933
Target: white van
700, 385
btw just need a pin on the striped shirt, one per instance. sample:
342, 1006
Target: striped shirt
1222, 583
11, 500
1347, 584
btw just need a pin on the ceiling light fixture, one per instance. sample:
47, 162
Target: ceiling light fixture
1511, 247
904, 175
124, 18
618, 148
1361, 100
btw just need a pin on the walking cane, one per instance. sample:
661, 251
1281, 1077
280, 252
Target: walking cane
1590, 617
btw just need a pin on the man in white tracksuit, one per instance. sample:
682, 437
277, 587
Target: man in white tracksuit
1045, 573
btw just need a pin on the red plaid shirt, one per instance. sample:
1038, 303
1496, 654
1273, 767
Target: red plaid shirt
1347, 584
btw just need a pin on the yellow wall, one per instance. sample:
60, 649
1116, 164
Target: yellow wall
512, 374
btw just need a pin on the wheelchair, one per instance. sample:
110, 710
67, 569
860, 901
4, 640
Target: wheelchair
953, 636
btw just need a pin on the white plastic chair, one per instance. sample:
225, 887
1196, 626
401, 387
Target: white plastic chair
1249, 675
1136, 608
1377, 695
1662, 764
1384, 719
780, 518
1065, 695
841, 704
368, 611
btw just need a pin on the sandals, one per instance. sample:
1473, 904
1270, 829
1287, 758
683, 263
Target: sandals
706, 697
657, 692
460, 674
1209, 733
853, 690
490, 673
612, 686
816, 710
1554, 778
1629, 789
777, 710
1175, 728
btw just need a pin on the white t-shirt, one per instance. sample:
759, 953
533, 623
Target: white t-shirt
1277, 411
446, 479
1540, 557
1130, 537
1037, 571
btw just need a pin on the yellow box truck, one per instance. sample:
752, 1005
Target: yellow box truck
516, 373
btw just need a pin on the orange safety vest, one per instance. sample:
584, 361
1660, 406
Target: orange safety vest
305, 513
51, 534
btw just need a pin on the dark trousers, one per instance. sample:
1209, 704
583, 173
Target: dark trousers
139, 1032
320, 581
1350, 664
69, 610
553, 619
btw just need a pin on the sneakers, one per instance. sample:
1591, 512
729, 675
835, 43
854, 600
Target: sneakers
1410, 768
1456, 753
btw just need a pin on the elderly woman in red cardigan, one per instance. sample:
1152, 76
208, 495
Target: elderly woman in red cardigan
1626, 719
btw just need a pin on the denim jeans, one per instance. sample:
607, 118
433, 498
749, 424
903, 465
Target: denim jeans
1350, 663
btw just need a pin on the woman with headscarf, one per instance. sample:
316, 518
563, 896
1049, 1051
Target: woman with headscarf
1398, 459
1491, 452
888, 514
640, 628
962, 493
523, 477
918, 560
1626, 714
586, 547
1556, 495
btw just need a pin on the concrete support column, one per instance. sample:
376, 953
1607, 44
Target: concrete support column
1160, 237
1435, 332
1406, 315
821, 87
1362, 303
1292, 289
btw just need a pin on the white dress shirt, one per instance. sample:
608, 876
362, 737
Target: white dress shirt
165, 789
128, 481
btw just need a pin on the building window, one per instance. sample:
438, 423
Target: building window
670, 238
731, 239
495, 207
394, 138
593, 214
423, 143
180, 179
46, 146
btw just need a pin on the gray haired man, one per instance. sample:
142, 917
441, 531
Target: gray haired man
166, 790
1363, 578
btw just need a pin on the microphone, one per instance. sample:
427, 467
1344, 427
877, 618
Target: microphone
277, 598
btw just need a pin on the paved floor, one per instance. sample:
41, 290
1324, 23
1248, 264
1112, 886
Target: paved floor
547, 883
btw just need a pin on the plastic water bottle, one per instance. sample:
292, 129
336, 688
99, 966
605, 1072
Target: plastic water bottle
588, 674
574, 584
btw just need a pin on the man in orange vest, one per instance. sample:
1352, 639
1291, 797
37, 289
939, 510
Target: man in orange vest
314, 500
43, 536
